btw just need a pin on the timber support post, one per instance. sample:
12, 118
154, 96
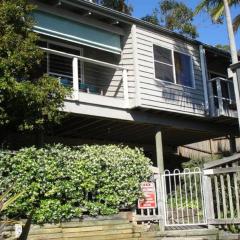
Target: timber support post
232, 143
160, 189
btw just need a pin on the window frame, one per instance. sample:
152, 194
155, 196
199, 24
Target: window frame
174, 68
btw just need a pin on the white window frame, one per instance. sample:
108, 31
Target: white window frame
174, 68
67, 46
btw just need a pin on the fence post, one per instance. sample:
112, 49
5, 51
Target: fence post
125, 88
208, 198
75, 78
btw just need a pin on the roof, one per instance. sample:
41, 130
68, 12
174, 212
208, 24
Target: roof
132, 20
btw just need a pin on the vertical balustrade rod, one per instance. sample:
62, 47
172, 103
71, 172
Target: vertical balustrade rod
176, 195
196, 194
75, 78
186, 195
220, 100
191, 196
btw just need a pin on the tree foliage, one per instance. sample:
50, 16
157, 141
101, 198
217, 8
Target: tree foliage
27, 101
152, 18
61, 183
175, 16
215, 8
223, 47
119, 5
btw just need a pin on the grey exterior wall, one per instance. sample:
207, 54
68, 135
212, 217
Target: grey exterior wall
157, 94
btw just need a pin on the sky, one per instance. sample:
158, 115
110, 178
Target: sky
208, 33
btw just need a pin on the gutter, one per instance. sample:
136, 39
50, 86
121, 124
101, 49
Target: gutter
132, 20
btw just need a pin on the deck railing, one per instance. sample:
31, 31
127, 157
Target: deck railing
222, 99
78, 85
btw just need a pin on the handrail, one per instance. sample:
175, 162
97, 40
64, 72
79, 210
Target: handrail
84, 59
223, 98
75, 76
221, 79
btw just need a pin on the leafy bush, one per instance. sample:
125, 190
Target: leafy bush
62, 183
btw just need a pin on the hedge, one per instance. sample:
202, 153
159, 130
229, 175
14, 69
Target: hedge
61, 183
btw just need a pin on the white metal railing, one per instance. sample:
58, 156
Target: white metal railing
183, 197
75, 71
222, 99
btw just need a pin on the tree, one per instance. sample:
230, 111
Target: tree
152, 18
175, 16
223, 47
216, 10
119, 5
27, 102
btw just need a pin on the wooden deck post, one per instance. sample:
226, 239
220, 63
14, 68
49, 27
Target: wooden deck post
232, 142
160, 189
159, 151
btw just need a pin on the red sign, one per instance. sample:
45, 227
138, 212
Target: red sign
149, 196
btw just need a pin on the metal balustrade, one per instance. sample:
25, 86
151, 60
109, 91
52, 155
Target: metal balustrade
222, 98
96, 77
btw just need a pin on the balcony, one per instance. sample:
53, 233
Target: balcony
92, 81
222, 98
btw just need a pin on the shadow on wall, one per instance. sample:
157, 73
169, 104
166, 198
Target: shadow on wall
189, 98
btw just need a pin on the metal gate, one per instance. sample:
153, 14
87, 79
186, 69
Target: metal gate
183, 198
197, 197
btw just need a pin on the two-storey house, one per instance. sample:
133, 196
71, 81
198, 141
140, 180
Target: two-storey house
133, 82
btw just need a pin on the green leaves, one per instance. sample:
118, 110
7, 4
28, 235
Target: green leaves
27, 101
119, 5
177, 17
215, 8
61, 183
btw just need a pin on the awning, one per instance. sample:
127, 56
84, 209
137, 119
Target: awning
60, 27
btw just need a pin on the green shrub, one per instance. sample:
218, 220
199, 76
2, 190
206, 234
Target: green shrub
61, 183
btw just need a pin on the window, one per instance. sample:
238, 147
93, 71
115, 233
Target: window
171, 66
60, 66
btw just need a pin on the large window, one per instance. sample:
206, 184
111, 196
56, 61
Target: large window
61, 66
173, 66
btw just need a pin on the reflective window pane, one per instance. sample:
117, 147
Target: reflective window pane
183, 69
162, 54
164, 72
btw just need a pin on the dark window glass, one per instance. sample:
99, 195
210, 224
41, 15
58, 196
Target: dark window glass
41, 43
64, 49
231, 91
162, 55
164, 72
214, 88
60, 65
225, 90
183, 69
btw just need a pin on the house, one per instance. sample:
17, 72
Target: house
142, 85
133, 82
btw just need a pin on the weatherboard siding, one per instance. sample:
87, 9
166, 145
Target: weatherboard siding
157, 94
128, 62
